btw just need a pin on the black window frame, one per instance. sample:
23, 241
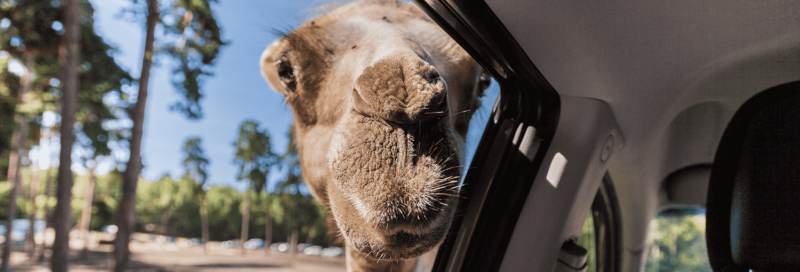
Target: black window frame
607, 218
497, 184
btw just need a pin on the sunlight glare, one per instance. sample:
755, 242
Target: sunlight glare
15, 67
48, 119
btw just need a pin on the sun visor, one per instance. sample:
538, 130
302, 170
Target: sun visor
688, 186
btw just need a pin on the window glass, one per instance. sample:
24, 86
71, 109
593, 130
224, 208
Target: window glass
478, 123
600, 234
677, 241
588, 241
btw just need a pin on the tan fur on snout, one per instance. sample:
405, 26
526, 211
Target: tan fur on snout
382, 98
400, 88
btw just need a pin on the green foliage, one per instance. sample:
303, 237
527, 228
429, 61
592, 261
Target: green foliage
177, 201
24, 201
4, 194
198, 43
99, 76
9, 87
195, 161
31, 32
677, 244
224, 213
302, 212
588, 241
296, 210
107, 193
291, 161
254, 155
182, 199
31, 27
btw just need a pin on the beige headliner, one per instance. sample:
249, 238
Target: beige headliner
673, 73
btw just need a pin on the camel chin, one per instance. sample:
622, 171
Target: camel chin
397, 185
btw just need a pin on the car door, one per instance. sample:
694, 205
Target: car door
539, 165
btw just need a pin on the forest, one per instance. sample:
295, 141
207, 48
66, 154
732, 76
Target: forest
172, 208
66, 100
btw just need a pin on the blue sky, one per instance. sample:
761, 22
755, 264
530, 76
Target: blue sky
236, 92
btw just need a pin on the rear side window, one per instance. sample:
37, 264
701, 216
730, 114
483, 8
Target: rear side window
677, 241
587, 240
601, 233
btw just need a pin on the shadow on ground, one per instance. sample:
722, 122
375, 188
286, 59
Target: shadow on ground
191, 259
243, 265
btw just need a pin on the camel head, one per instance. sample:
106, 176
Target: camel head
382, 100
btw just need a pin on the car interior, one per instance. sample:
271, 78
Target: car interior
620, 113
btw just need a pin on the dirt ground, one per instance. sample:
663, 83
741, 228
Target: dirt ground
171, 258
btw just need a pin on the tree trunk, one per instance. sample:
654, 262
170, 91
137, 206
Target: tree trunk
15, 161
47, 220
295, 222
267, 228
69, 59
86, 212
165, 222
126, 211
293, 239
30, 242
204, 221
245, 220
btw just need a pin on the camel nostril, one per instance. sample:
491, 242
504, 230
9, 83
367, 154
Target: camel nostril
432, 76
361, 105
425, 57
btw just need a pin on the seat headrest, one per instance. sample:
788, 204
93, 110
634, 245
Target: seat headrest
753, 210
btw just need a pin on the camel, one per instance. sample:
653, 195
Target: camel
382, 99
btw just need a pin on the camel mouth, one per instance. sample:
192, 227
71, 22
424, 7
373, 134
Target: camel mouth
400, 245
398, 184
417, 225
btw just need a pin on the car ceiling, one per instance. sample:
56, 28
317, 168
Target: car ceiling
673, 73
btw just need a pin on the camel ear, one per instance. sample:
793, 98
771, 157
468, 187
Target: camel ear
269, 64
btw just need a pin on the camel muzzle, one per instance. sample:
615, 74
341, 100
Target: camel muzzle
401, 88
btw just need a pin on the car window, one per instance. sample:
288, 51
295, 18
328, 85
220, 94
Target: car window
677, 241
478, 123
601, 232
588, 242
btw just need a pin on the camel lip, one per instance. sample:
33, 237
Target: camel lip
416, 226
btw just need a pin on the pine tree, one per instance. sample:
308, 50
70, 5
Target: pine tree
196, 54
255, 158
196, 164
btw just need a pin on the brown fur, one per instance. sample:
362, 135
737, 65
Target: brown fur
382, 99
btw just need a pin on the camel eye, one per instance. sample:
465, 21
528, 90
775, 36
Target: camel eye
286, 73
484, 81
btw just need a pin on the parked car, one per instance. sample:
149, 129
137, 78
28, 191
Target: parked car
20, 229
254, 243
230, 244
280, 247
332, 252
274, 246
108, 234
194, 242
284, 247
302, 246
313, 250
